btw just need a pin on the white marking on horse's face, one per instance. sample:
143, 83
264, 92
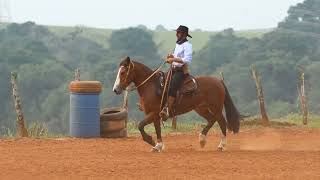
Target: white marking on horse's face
116, 87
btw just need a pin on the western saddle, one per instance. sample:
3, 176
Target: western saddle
188, 87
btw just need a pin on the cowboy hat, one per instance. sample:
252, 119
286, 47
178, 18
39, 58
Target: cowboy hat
183, 29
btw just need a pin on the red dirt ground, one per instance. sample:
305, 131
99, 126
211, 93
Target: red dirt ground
253, 154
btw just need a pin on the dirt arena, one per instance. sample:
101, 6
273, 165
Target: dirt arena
253, 154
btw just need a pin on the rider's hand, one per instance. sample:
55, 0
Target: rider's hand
170, 60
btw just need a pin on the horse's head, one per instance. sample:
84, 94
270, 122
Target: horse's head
124, 77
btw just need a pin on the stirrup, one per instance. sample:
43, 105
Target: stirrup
164, 114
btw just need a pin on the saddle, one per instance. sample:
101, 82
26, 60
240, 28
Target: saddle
188, 87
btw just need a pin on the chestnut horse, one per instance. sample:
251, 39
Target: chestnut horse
208, 101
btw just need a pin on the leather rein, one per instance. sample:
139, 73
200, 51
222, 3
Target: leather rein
146, 80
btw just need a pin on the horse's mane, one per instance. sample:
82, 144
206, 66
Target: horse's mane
144, 67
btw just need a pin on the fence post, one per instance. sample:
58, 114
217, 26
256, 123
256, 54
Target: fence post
174, 123
260, 95
303, 100
21, 129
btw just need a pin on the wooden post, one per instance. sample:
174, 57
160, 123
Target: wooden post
174, 123
77, 75
303, 101
260, 95
21, 129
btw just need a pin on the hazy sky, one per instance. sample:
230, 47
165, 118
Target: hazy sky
204, 14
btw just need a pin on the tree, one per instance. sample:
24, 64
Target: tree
143, 27
304, 17
160, 28
221, 49
134, 42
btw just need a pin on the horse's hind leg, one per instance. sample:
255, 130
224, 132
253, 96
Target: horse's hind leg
205, 113
211, 118
223, 126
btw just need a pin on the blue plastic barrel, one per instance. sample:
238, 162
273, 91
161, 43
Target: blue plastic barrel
85, 109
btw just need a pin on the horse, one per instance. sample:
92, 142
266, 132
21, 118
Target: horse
209, 100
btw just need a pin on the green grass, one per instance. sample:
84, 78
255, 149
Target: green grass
191, 126
182, 127
38, 129
286, 121
6, 132
186, 126
165, 40
313, 120
35, 130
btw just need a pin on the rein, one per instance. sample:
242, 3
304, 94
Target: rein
148, 78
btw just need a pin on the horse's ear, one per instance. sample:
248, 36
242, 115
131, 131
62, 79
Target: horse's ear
128, 60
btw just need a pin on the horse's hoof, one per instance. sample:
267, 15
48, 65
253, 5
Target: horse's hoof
159, 147
221, 149
202, 140
203, 144
153, 150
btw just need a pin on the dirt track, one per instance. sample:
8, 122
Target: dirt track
252, 154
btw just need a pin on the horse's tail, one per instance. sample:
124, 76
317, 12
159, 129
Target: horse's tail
232, 114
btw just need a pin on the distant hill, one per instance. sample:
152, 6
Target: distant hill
163, 39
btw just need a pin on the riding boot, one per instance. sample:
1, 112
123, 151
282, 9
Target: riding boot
169, 110
171, 103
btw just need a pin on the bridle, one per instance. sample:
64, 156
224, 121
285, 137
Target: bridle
146, 80
128, 72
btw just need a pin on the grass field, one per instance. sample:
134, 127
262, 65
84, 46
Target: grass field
183, 126
187, 126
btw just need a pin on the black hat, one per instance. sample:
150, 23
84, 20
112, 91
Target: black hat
184, 29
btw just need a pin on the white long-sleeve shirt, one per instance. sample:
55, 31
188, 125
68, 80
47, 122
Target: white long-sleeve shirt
183, 51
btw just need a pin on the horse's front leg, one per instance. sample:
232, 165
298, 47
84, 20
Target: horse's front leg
148, 119
159, 146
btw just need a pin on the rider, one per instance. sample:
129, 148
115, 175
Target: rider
180, 60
